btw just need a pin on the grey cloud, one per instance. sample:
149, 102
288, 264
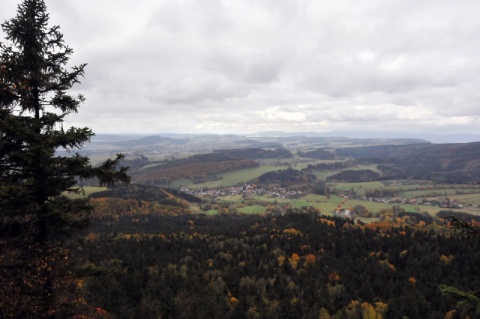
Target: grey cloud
236, 66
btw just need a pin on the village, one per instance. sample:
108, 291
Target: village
245, 190
285, 193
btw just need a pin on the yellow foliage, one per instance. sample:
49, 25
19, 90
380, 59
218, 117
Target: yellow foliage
210, 262
324, 314
280, 260
368, 312
352, 310
446, 259
403, 253
381, 309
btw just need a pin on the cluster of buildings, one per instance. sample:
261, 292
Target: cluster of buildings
245, 190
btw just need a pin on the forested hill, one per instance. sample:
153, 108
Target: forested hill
439, 152
256, 153
285, 178
445, 153
161, 195
149, 140
450, 163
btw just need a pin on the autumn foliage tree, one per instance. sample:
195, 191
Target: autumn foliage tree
35, 215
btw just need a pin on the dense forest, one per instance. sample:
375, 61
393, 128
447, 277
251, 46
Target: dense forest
196, 171
256, 153
296, 265
285, 178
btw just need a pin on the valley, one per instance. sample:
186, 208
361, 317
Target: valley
237, 227
329, 174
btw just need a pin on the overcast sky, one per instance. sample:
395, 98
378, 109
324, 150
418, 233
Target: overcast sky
245, 66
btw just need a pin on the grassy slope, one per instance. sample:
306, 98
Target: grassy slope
88, 190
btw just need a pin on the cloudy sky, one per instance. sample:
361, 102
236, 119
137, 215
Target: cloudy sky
245, 66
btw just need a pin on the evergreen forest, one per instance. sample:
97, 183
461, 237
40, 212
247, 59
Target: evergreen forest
295, 265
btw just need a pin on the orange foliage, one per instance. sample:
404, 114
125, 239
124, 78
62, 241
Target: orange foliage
294, 260
333, 276
388, 264
232, 299
310, 259
291, 231
412, 280
450, 314
304, 247
383, 226
91, 236
327, 221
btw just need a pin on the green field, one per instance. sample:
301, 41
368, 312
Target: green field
328, 205
469, 194
87, 191
323, 175
254, 209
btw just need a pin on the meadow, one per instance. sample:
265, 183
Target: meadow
328, 204
87, 190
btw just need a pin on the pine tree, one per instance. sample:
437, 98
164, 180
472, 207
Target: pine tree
36, 216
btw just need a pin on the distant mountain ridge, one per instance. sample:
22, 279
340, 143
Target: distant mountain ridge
212, 142
150, 140
431, 137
